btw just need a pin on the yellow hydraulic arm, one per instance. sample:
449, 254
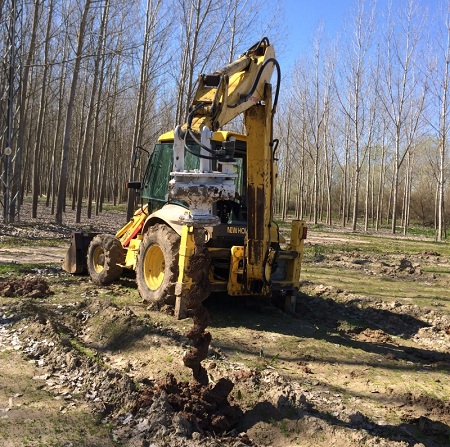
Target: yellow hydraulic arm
230, 91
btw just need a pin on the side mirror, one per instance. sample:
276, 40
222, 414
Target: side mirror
133, 185
136, 158
228, 150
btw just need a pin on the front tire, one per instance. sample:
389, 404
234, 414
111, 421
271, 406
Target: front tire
157, 265
105, 252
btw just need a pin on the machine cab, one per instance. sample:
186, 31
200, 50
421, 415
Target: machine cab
155, 184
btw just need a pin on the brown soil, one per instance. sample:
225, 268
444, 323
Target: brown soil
30, 287
197, 270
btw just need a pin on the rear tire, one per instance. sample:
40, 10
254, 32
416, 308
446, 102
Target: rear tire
105, 252
157, 265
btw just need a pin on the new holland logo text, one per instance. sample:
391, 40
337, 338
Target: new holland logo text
237, 230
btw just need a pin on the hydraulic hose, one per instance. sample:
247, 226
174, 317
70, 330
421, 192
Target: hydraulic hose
255, 84
258, 45
273, 61
193, 136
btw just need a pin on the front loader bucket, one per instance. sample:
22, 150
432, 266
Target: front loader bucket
75, 259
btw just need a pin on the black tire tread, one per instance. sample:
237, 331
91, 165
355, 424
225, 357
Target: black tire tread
114, 255
169, 242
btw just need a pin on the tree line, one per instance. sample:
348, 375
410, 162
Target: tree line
364, 128
362, 119
99, 77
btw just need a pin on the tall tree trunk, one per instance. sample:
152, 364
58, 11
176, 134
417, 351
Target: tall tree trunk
142, 100
16, 185
408, 189
443, 124
62, 186
367, 195
395, 184
91, 110
328, 178
93, 163
345, 200
80, 123
355, 198
62, 81
379, 209
42, 108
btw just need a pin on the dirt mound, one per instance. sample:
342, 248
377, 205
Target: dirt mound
170, 413
434, 408
106, 326
430, 415
373, 336
201, 408
31, 287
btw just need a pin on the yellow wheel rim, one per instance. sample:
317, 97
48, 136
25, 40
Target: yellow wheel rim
154, 266
98, 259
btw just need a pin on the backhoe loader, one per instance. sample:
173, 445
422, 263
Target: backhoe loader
207, 201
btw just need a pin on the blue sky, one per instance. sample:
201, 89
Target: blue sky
304, 16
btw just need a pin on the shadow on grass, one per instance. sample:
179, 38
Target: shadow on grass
323, 319
291, 419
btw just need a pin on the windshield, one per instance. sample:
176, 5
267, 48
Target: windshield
155, 184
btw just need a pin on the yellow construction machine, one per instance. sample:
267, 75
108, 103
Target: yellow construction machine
207, 191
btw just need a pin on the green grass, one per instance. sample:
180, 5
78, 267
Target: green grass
422, 231
122, 208
377, 245
283, 223
421, 291
83, 350
13, 269
14, 242
444, 270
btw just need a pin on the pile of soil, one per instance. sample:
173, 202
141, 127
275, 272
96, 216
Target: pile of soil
198, 408
30, 286
374, 336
